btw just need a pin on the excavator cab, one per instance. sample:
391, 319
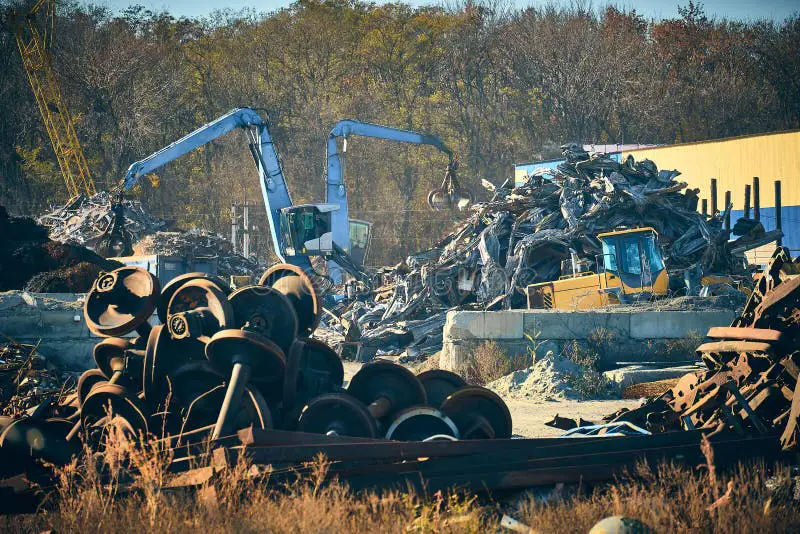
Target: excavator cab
360, 234
306, 229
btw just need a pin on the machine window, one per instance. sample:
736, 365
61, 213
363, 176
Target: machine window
610, 256
653, 253
631, 259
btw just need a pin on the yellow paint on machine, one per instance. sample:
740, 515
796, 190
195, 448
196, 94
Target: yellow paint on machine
734, 162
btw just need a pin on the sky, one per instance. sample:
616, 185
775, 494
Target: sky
776, 10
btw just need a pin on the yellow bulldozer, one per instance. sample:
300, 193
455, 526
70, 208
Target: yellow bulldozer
632, 269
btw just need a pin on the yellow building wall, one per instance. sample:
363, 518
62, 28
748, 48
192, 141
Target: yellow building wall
734, 162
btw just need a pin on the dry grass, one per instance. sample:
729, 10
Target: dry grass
676, 500
489, 362
126, 492
432, 362
684, 348
590, 382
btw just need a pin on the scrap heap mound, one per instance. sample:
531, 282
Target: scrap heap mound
523, 234
26, 379
201, 245
85, 220
751, 384
30, 260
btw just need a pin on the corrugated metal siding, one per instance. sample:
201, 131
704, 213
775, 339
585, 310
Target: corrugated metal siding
734, 162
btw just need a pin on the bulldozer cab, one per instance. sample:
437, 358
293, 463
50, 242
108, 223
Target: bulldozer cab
635, 257
306, 229
632, 267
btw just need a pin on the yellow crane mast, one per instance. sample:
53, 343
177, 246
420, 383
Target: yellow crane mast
34, 48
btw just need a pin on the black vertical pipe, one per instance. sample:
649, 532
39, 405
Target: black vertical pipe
705, 206
756, 199
713, 196
727, 213
747, 201
778, 225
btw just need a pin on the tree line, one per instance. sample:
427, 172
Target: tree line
498, 84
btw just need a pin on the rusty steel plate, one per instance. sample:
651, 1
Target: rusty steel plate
781, 300
174, 284
266, 311
439, 384
734, 347
300, 289
264, 358
479, 413
121, 301
337, 414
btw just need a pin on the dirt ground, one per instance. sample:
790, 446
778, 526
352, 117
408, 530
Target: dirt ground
529, 417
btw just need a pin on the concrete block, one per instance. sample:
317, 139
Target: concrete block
22, 325
464, 325
503, 324
71, 355
676, 324
574, 325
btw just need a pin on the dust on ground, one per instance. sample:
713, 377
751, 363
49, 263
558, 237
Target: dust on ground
553, 377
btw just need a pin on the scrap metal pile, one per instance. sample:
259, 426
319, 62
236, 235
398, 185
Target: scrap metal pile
222, 361
523, 234
751, 386
200, 245
86, 220
89, 221
26, 380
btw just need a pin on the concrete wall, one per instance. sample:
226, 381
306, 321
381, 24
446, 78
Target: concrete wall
616, 336
55, 321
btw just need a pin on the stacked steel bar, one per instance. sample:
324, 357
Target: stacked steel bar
751, 385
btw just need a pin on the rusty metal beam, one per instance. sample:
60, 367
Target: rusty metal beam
745, 334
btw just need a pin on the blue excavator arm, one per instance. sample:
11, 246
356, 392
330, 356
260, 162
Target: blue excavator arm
336, 190
271, 177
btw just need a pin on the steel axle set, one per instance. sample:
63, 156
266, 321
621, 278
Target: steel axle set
223, 360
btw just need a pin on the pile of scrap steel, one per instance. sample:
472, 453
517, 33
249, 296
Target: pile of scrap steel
221, 361
87, 221
26, 380
201, 245
751, 386
30, 260
93, 222
524, 235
